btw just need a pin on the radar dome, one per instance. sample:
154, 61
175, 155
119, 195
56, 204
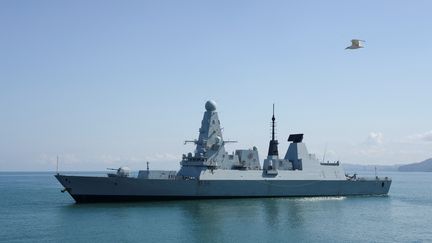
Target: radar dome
210, 105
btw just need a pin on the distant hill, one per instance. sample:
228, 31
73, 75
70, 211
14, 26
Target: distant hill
424, 166
356, 167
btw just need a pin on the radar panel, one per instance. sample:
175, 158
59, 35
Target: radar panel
295, 138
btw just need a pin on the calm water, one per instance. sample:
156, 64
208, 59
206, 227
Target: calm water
32, 208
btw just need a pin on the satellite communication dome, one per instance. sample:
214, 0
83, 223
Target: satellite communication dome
210, 105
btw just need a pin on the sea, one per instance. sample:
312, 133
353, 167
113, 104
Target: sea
33, 209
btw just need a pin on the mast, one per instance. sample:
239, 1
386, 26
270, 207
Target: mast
273, 146
273, 125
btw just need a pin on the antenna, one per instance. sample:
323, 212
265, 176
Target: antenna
273, 125
325, 151
57, 165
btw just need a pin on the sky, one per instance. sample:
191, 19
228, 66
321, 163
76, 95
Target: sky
118, 83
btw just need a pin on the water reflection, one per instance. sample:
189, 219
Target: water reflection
263, 219
218, 219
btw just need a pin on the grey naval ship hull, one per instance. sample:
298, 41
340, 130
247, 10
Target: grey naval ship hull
86, 189
211, 172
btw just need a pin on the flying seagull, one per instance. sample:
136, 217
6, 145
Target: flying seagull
356, 44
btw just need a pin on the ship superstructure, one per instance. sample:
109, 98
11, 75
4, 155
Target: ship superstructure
211, 172
210, 151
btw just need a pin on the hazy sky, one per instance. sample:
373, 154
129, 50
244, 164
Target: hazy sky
110, 83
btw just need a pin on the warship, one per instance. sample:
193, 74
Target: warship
211, 172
